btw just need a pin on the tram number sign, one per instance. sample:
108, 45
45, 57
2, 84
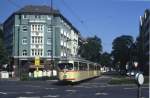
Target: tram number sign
37, 61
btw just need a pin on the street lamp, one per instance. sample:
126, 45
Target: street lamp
136, 64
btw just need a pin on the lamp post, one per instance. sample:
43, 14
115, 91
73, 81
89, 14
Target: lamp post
19, 67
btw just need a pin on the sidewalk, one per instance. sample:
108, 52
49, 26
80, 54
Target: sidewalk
9, 79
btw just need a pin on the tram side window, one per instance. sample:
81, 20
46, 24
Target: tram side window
95, 67
85, 66
98, 67
67, 66
81, 66
75, 65
70, 66
91, 67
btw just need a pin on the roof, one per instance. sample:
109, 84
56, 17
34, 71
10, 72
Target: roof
42, 10
37, 9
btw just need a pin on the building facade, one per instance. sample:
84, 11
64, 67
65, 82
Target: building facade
39, 31
145, 42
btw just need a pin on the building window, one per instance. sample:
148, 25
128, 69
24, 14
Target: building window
24, 16
24, 40
49, 41
61, 31
24, 53
36, 40
49, 29
37, 52
38, 16
49, 52
62, 54
24, 28
49, 17
37, 27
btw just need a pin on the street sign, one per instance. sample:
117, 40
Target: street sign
37, 61
139, 78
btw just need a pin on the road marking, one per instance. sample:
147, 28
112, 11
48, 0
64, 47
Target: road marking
29, 92
3, 93
51, 96
127, 88
101, 94
79, 86
32, 86
29, 97
71, 90
130, 88
50, 88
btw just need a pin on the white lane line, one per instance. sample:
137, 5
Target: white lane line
127, 88
50, 88
145, 87
51, 96
71, 90
29, 97
101, 94
28, 92
3, 93
79, 86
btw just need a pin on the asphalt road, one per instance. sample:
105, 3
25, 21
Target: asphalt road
95, 88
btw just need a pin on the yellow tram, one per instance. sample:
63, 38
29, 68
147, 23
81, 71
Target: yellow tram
75, 70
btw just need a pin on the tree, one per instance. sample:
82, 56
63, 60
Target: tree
91, 49
106, 59
141, 58
3, 53
121, 50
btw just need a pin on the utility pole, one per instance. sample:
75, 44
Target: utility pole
51, 11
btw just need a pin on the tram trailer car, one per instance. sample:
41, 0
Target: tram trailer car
75, 70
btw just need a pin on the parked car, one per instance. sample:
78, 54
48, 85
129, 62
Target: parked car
131, 73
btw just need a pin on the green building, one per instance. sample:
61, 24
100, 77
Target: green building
38, 31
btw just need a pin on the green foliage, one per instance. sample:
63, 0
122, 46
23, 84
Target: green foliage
121, 50
123, 80
3, 53
106, 59
91, 49
126, 80
141, 58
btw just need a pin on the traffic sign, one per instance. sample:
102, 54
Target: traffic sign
37, 61
139, 78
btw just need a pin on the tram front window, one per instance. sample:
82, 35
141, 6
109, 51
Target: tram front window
65, 66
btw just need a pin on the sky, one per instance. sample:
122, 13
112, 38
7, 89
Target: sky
106, 19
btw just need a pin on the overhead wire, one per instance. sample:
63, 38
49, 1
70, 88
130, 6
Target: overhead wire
76, 16
13, 3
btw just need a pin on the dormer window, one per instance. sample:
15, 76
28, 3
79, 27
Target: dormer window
145, 15
49, 17
24, 28
24, 16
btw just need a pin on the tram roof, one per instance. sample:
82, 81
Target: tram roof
77, 59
